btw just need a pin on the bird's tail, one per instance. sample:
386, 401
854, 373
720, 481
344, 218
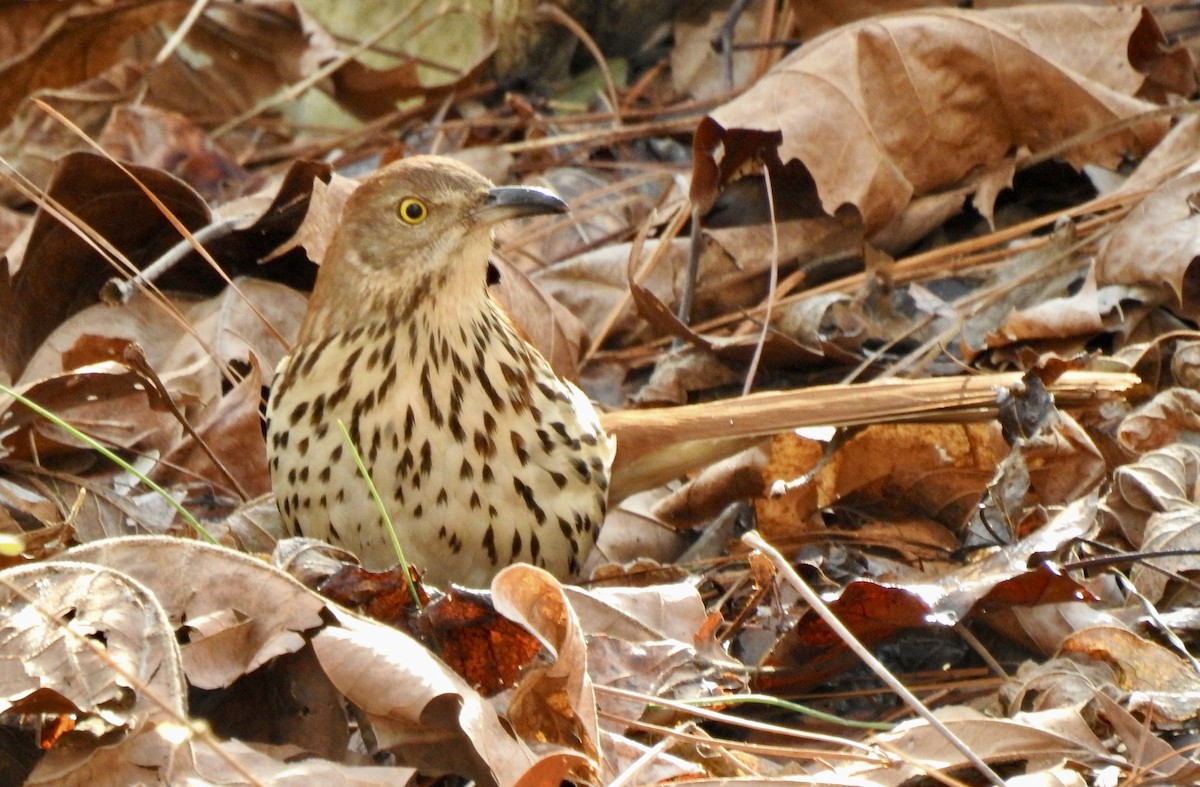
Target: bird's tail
658, 444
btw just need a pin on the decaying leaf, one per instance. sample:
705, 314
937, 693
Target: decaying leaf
982, 85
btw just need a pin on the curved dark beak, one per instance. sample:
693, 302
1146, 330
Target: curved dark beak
513, 202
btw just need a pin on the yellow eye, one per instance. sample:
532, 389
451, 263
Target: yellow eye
412, 210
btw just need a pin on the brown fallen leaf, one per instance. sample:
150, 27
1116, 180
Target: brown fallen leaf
58, 272
171, 142
91, 642
107, 400
1160, 482
33, 142
1050, 736
1156, 244
244, 611
1057, 683
931, 96
555, 702
418, 706
941, 470
226, 448
384, 596
1149, 752
487, 649
653, 641
915, 598
1162, 684
56, 44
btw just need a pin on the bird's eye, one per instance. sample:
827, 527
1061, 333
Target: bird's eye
412, 210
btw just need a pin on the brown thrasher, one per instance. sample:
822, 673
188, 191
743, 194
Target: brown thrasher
482, 455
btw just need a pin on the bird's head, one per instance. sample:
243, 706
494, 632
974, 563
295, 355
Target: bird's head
417, 228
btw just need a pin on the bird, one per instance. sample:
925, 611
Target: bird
482, 455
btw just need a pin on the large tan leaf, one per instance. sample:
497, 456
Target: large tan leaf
892, 108
92, 643
237, 613
555, 702
417, 705
1052, 735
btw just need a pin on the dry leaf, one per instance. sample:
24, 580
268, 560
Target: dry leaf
933, 95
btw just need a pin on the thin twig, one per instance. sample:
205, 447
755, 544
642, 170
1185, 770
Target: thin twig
561, 17
692, 273
118, 291
723, 43
954, 258
772, 282
166, 214
793, 578
193, 15
864, 752
626, 776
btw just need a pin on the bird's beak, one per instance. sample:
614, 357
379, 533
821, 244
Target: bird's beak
513, 202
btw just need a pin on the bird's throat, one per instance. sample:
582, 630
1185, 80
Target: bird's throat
437, 300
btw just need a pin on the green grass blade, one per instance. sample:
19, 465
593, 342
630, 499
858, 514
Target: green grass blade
112, 457
387, 520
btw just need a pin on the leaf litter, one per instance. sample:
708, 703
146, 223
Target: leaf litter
972, 431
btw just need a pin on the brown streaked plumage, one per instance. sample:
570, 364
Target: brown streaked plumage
482, 454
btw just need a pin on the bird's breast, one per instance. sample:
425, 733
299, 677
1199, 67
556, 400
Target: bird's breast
481, 454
